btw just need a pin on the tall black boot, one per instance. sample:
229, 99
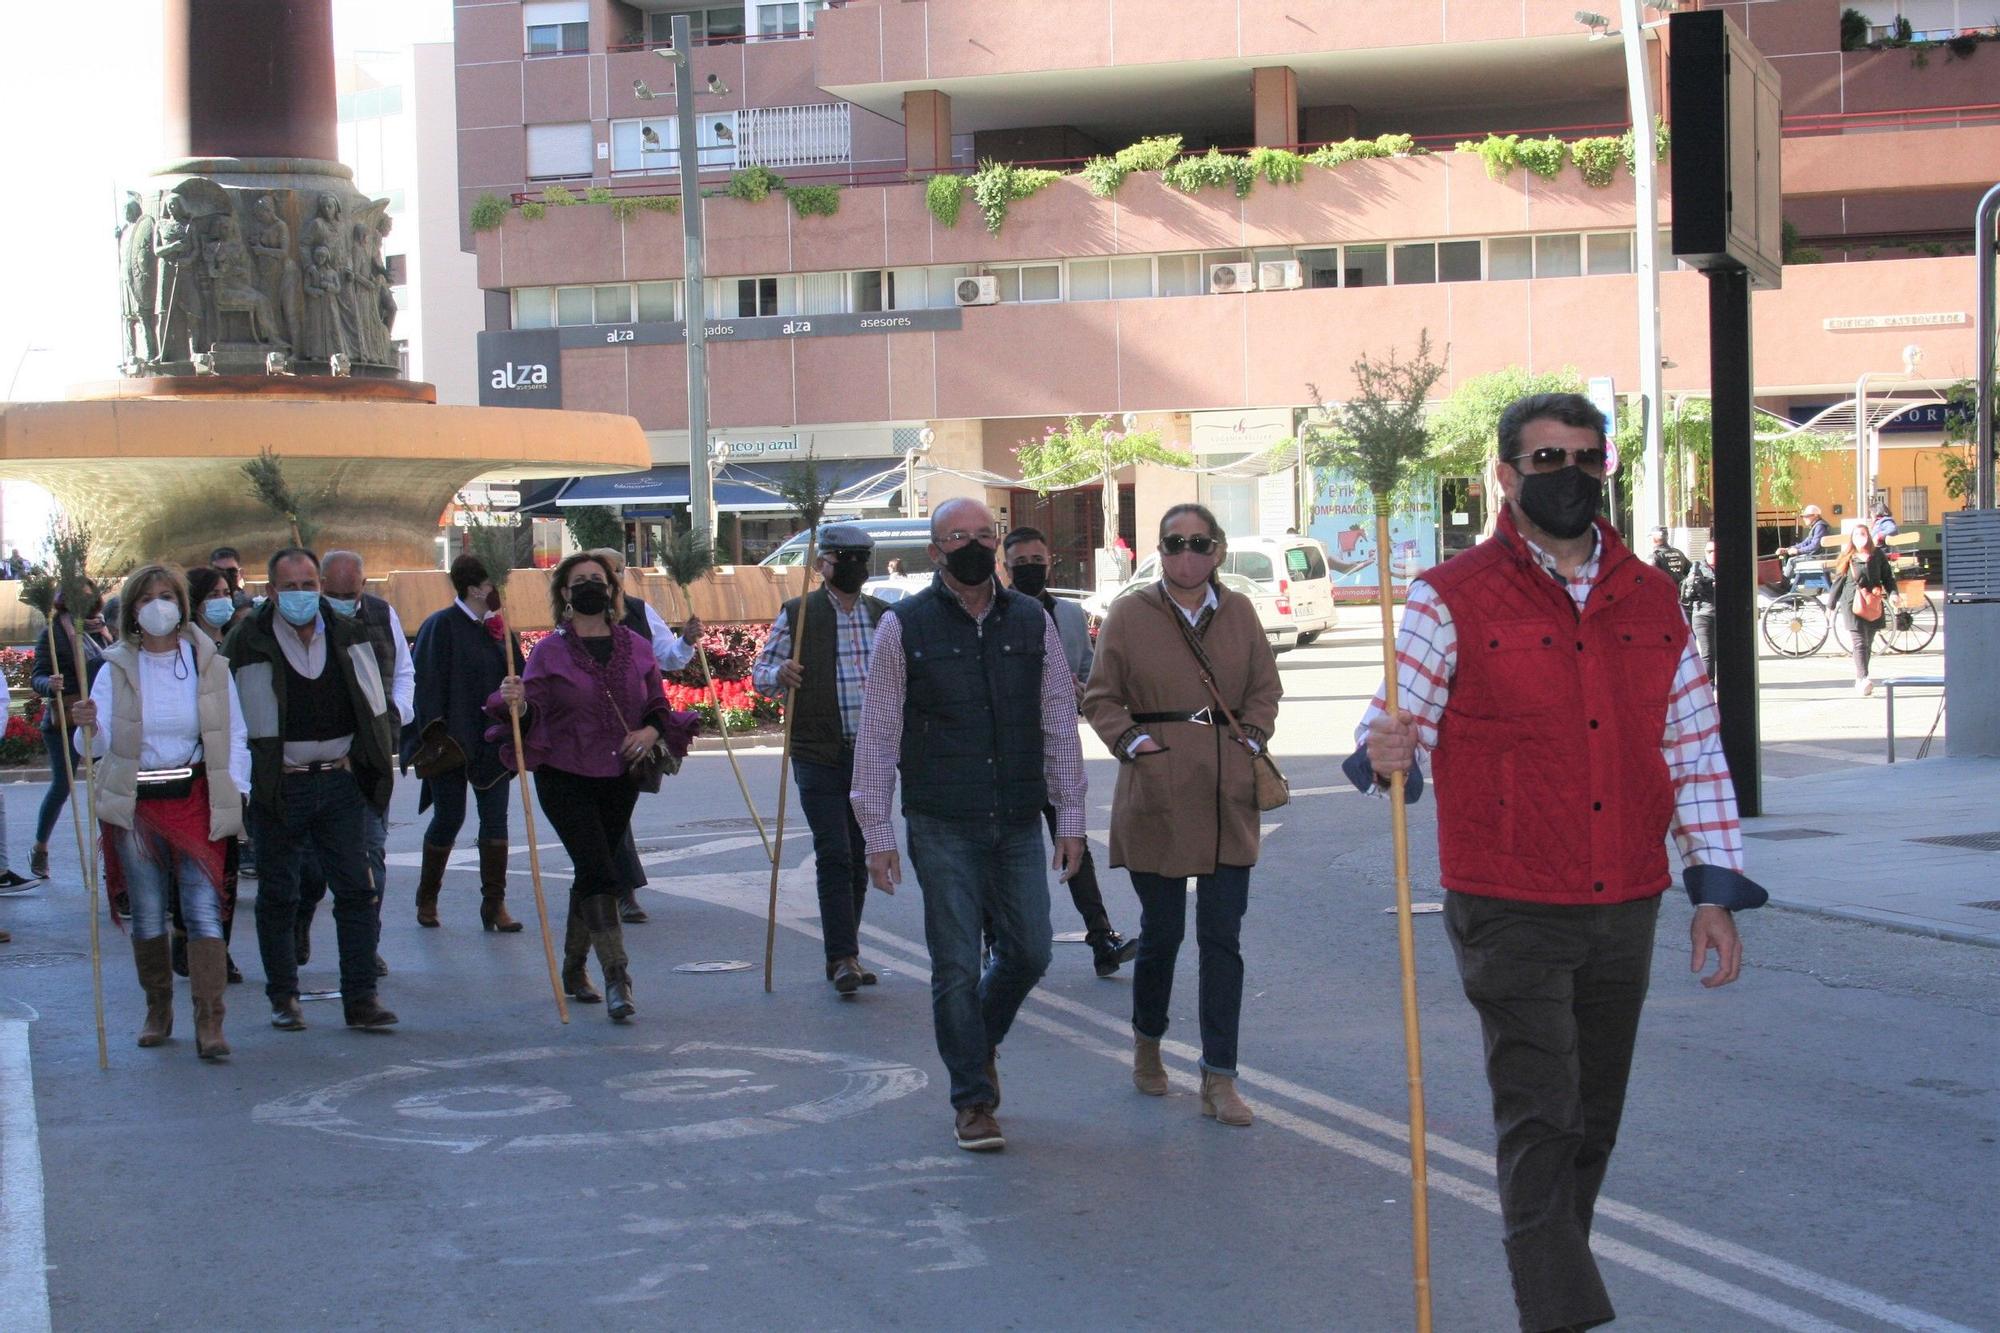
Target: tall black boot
600, 913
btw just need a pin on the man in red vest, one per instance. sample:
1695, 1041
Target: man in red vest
1549, 676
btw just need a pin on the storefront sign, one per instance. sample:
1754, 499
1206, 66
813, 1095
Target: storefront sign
1343, 519
1247, 432
745, 447
520, 368
1941, 319
761, 329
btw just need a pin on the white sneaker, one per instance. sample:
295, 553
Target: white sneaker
1864, 686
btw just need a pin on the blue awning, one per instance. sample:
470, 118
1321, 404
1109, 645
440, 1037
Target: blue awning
654, 486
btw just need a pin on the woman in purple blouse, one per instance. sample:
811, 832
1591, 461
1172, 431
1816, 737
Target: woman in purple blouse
591, 702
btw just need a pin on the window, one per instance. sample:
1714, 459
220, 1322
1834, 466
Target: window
1608, 252
943, 282
822, 293
1558, 256
1131, 277
1458, 261
1320, 268
794, 136
559, 151
752, 298
1210, 258
789, 18
653, 144
1509, 257
1304, 562
756, 296
1250, 564
1364, 266
659, 302
612, 305
1916, 505
553, 26
534, 308
1089, 279
706, 23
865, 290
574, 305
1416, 263
1029, 282
908, 289
1181, 275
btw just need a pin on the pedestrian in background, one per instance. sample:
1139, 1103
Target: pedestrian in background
1668, 558
1862, 582
1186, 802
53, 673
591, 703
172, 764
1881, 522
1698, 600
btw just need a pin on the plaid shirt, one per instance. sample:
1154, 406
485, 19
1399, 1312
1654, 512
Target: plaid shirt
853, 642
1705, 824
879, 742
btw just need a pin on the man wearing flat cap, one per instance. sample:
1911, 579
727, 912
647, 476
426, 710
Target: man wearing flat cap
827, 681
1549, 677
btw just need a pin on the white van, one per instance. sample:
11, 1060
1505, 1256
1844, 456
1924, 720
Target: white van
1292, 568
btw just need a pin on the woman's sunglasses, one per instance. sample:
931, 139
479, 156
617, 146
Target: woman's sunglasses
1200, 545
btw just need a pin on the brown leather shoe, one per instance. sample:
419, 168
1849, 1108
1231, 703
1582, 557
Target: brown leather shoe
977, 1130
1221, 1102
286, 1016
1149, 1075
430, 879
846, 975
366, 1012
868, 977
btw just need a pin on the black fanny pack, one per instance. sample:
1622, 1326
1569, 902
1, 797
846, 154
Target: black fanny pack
170, 784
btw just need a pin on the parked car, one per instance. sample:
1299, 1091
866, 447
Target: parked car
905, 539
1290, 569
1273, 612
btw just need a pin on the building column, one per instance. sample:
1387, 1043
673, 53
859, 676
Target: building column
927, 130
1274, 96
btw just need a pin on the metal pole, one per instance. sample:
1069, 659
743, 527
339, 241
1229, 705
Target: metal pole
700, 491
1650, 501
1735, 479
1989, 340
1861, 446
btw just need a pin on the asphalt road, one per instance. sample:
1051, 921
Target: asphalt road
1812, 1148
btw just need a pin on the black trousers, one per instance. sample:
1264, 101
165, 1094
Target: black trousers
1558, 990
593, 818
1083, 889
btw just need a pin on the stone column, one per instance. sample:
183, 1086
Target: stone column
248, 78
926, 130
1274, 96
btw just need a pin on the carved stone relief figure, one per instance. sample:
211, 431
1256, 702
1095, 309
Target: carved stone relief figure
277, 271
234, 279
138, 284
367, 292
385, 290
323, 334
181, 303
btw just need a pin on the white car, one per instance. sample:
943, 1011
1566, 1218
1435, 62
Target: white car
1273, 613
1290, 569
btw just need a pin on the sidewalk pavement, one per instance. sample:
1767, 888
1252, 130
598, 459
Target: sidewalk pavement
1913, 846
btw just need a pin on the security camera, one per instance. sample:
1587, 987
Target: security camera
716, 85
927, 437
641, 91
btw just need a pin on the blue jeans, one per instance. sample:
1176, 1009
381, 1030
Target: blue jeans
151, 867
320, 814
839, 855
58, 792
973, 871
1220, 901
448, 796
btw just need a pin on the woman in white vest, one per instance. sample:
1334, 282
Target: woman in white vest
173, 765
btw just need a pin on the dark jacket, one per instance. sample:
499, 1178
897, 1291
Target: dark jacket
459, 665
1671, 561
60, 661
1875, 572
1698, 588
259, 663
972, 712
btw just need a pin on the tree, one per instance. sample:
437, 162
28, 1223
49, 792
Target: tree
1079, 452
1466, 427
1688, 432
1961, 429
594, 527
1382, 431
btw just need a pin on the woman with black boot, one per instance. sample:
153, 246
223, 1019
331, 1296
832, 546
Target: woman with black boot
592, 706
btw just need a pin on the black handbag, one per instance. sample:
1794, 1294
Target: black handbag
659, 761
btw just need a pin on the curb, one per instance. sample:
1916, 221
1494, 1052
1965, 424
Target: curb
1950, 934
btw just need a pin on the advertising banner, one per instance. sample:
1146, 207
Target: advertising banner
1343, 521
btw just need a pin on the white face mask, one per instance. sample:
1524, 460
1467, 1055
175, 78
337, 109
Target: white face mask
159, 618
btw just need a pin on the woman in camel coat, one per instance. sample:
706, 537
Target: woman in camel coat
1185, 804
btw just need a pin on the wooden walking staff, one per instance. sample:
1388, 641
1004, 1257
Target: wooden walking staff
534, 841
1374, 437
69, 548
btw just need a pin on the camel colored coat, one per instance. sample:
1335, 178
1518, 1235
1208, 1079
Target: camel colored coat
1193, 807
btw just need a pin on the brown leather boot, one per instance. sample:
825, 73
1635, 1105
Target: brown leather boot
493, 888
1149, 1075
600, 913
1220, 1100
156, 979
576, 953
429, 880
208, 977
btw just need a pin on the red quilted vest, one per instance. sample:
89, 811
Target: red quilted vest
1550, 782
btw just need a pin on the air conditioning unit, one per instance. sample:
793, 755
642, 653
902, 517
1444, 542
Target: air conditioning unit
977, 291
1280, 275
1232, 278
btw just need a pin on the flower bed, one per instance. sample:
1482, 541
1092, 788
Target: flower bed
21, 744
732, 650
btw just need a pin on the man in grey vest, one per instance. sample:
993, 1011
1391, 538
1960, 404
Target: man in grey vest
826, 683
1027, 553
969, 696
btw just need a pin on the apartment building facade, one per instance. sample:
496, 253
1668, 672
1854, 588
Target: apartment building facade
878, 307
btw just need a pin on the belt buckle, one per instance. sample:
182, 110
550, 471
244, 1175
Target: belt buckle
1204, 718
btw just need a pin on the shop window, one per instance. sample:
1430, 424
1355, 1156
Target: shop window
1558, 256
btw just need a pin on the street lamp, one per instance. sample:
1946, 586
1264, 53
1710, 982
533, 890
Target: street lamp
925, 439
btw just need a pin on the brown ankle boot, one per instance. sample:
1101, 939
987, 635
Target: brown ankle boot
493, 888
1148, 1074
576, 953
208, 976
156, 979
600, 913
429, 880
1220, 1100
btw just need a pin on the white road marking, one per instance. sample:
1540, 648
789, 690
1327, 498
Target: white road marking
24, 1276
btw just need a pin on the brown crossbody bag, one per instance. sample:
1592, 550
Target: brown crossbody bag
1271, 788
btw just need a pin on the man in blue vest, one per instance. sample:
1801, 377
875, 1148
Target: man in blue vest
969, 696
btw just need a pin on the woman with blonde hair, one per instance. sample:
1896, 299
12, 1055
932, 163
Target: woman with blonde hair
1862, 582
172, 768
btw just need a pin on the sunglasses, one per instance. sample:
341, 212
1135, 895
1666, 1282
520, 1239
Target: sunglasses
1199, 544
1548, 460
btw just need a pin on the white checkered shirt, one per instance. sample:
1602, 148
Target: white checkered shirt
854, 640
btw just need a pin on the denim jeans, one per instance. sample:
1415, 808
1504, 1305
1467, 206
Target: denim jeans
971, 871
58, 792
320, 813
448, 797
151, 867
839, 857
1219, 903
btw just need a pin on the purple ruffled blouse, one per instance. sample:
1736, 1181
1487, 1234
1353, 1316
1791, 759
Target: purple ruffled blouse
577, 711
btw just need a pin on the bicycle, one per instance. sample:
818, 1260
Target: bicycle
1798, 622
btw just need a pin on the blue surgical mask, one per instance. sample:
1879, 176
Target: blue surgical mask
217, 611
345, 606
297, 606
